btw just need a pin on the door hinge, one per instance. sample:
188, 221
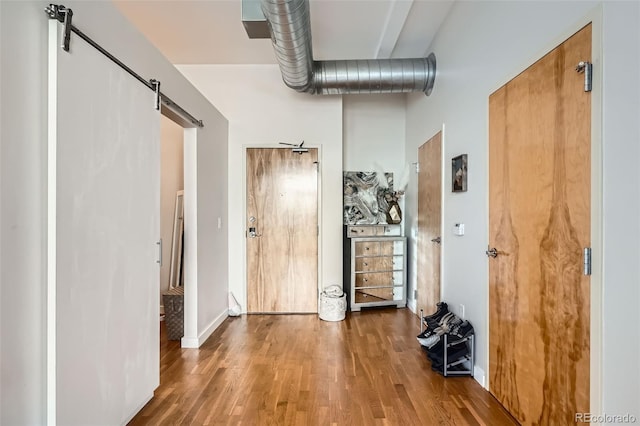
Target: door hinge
586, 68
586, 261
417, 165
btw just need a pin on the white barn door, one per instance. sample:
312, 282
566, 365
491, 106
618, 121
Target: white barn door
104, 196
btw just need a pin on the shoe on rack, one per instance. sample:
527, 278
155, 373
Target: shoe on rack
451, 341
448, 322
432, 337
431, 341
452, 355
428, 340
434, 323
442, 309
462, 330
426, 332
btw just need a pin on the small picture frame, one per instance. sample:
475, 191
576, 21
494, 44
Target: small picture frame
459, 173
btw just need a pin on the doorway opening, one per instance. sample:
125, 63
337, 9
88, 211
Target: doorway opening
171, 190
177, 182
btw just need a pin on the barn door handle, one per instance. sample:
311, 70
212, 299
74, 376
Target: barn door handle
159, 244
436, 240
491, 252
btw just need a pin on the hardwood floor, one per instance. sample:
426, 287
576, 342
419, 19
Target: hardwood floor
299, 370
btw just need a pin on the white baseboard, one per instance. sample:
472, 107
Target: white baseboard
189, 343
194, 343
411, 304
478, 374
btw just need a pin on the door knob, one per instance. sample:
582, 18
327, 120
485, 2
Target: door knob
436, 240
491, 252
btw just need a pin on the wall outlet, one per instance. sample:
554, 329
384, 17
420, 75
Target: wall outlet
461, 311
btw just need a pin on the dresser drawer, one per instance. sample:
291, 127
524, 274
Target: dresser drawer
368, 264
357, 231
372, 295
374, 279
367, 248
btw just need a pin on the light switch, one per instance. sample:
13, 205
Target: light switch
458, 229
219, 223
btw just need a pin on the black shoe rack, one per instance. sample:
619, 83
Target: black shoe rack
458, 365
462, 365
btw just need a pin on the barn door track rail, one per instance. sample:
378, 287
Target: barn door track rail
65, 16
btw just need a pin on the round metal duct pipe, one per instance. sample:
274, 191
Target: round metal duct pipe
290, 27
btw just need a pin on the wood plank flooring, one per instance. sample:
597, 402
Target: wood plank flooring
299, 370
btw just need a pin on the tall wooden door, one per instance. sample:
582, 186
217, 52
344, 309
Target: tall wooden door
282, 230
539, 180
429, 223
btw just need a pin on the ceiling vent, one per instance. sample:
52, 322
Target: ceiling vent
289, 25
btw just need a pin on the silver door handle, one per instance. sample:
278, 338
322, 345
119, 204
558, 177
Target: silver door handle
436, 240
491, 252
253, 233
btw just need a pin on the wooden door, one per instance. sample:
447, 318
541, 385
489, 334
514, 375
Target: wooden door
282, 230
429, 223
539, 180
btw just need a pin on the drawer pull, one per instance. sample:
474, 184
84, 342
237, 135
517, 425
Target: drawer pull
366, 264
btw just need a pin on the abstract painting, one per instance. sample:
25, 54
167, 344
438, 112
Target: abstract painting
364, 201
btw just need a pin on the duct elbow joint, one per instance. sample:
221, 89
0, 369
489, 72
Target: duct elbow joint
301, 88
431, 73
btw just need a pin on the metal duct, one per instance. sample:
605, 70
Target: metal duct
290, 28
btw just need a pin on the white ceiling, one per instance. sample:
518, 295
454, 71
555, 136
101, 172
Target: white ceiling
211, 31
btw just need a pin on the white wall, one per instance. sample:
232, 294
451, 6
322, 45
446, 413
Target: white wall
23, 71
263, 111
481, 46
374, 131
171, 181
23, 141
621, 207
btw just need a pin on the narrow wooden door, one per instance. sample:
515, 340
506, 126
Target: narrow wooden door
539, 180
282, 230
429, 223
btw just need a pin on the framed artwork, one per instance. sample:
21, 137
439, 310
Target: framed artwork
364, 198
459, 173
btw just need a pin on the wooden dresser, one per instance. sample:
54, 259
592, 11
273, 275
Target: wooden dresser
375, 266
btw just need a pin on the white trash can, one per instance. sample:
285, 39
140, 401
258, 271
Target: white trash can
333, 304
